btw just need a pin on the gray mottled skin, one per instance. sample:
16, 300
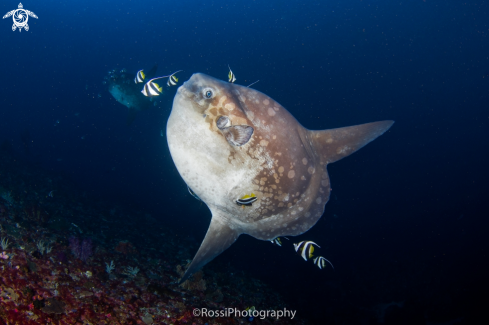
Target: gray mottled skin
283, 163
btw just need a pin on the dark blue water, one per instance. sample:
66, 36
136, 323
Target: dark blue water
407, 220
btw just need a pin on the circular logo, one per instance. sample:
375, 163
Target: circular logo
196, 312
20, 17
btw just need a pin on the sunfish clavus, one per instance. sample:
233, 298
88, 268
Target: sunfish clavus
228, 141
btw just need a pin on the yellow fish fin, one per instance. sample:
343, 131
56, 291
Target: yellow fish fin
158, 87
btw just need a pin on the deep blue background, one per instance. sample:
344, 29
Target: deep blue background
411, 207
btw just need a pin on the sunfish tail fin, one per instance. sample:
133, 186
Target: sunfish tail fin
218, 238
334, 144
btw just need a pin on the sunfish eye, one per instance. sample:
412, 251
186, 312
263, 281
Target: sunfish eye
208, 93
223, 122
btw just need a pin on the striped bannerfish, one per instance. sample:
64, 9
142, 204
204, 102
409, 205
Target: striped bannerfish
152, 89
231, 76
139, 77
321, 262
172, 80
305, 249
276, 241
247, 200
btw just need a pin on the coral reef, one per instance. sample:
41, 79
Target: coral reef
105, 279
195, 283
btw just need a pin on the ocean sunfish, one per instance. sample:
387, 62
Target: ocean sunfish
258, 170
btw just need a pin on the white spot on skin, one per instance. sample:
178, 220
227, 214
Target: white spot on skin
324, 183
311, 170
318, 200
264, 143
303, 178
276, 109
271, 112
342, 150
291, 174
304, 161
281, 169
229, 106
266, 102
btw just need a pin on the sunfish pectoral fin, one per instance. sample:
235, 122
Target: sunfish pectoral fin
218, 238
334, 144
238, 135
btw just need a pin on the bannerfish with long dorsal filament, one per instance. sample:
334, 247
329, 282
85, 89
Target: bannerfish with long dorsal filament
228, 140
140, 76
277, 241
321, 262
305, 249
172, 80
151, 88
231, 76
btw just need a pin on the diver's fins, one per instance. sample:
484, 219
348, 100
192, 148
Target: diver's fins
218, 238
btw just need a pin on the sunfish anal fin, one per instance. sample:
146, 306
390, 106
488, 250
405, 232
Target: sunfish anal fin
334, 144
218, 238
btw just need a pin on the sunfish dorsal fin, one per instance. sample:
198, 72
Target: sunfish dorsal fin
333, 144
218, 238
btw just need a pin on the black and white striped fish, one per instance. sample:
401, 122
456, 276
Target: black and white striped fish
321, 262
139, 77
172, 80
278, 241
152, 89
231, 76
247, 200
305, 249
